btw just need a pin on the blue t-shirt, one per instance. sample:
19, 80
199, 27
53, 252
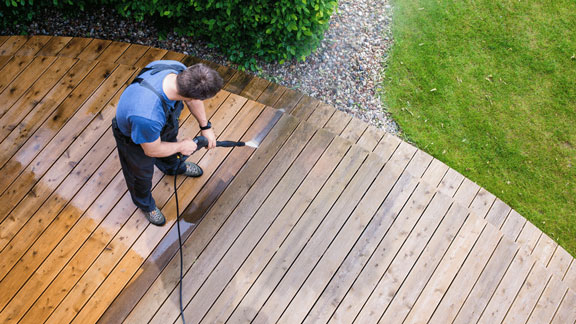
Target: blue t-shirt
140, 114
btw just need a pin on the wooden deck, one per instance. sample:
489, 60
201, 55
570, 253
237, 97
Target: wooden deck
329, 220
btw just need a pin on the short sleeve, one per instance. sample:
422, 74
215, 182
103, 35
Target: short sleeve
144, 130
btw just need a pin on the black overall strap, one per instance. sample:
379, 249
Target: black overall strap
155, 69
147, 85
161, 67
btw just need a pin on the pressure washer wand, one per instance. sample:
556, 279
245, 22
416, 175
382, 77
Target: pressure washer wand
202, 142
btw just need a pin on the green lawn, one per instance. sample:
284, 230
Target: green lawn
489, 87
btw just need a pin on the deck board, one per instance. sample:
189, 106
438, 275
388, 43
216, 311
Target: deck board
259, 223
329, 220
24, 81
13, 44
33, 96
33, 45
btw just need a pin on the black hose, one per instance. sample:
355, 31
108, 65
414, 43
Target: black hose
179, 236
201, 142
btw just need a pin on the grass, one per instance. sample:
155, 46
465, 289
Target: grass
489, 87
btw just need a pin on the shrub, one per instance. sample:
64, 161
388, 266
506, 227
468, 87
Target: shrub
271, 30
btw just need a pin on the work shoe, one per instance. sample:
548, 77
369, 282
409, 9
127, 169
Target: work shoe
193, 170
155, 217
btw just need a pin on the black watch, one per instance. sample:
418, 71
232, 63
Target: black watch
208, 126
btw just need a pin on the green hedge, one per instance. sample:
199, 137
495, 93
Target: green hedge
271, 30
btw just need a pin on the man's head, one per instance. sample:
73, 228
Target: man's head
198, 82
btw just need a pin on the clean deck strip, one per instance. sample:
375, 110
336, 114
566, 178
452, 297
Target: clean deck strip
329, 220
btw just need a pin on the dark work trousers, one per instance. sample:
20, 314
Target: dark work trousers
138, 168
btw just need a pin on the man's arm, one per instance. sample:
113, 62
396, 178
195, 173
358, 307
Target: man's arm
163, 149
197, 110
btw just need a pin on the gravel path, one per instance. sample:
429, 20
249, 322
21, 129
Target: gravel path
345, 71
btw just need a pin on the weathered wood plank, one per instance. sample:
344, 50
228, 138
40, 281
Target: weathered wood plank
549, 301
528, 295
466, 194
488, 281
423, 214
455, 296
288, 251
387, 146
370, 138
350, 250
318, 244
567, 310
252, 233
420, 160
544, 249
508, 287
513, 225
230, 229
446, 271
254, 88
288, 100
338, 122
439, 171
560, 262
321, 115
324, 226
23, 82
451, 183
529, 236
278, 231
498, 214
354, 130
33, 45
305, 107
424, 268
34, 96
482, 203
271, 94
238, 82
570, 277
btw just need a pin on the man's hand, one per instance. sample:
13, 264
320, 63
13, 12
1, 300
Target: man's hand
210, 136
187, 146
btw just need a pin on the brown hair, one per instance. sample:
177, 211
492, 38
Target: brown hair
199, 82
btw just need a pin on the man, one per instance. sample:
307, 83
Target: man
146, 126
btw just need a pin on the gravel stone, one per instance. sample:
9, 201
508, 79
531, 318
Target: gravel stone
345, 71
